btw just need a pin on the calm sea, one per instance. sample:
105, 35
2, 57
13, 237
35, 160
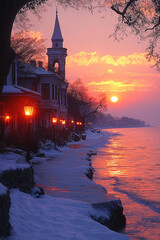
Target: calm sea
129, 168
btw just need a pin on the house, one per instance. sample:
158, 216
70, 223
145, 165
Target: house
13, 100
29, 84
51, 83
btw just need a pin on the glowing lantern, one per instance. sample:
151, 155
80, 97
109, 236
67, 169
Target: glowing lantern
78, 123
54, 120
63, 122
72, 121
28, 110
7, 118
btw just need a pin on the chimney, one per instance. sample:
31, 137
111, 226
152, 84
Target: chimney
40, 64
33, 63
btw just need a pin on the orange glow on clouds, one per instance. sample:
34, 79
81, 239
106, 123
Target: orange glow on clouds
87, 58
112, 74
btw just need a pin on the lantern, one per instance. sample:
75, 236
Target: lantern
63, 122
54, 120
7, 117
28, 110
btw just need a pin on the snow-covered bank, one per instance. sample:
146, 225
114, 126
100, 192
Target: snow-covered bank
62, 174
49, 218
65, 174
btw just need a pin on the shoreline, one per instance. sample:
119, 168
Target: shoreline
24, 204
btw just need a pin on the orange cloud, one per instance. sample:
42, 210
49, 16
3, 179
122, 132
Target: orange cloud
132, 59
87, 58
120, 86
83, 58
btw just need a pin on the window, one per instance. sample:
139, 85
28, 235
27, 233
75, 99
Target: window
56, 96
53, 95
56, 67
45, 91
61, 97
34, 86
65, 99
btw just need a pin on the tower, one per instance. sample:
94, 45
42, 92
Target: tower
57, 54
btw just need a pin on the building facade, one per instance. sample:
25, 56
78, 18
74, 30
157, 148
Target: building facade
51, 83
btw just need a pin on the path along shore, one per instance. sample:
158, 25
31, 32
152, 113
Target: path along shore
71, 200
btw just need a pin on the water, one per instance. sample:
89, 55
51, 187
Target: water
129, 168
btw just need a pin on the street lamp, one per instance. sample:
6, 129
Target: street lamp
54, 120
28, 110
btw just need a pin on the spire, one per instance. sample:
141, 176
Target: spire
57, 39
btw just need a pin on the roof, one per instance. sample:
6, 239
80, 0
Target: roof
27, 70
57, 35
16, 89
10, 89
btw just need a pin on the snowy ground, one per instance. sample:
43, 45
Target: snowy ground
65, 215
64, 174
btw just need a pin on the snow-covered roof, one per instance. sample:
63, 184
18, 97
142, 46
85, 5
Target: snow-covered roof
16, 89
11, 89
57, 35
27, 70
26, 90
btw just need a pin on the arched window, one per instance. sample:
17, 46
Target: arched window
56, 67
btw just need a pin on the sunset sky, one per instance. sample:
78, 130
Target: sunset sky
105, 65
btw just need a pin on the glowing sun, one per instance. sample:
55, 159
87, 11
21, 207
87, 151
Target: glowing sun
114, 99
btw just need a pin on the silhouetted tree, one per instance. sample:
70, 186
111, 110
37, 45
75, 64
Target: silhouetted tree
80, 104
143, 18
28, 45
8, 11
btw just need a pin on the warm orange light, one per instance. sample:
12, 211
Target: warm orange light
72, 121
78, 123
28, 110
114, 99
7, 118
63, 122
54, 120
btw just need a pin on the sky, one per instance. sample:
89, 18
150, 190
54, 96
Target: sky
103, 64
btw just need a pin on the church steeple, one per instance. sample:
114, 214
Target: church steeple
57, 39
57, 54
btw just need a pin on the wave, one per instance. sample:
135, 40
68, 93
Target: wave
154, 205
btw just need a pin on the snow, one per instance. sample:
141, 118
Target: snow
64, 174
54, 218
26, 90
12, 161
17, 89
10, 89
3, 189
63, 213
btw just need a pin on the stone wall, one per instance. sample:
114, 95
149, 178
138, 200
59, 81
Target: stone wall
23, 179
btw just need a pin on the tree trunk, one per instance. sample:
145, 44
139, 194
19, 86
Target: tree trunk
8, 12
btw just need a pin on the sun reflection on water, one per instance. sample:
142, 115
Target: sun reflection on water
128, 168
